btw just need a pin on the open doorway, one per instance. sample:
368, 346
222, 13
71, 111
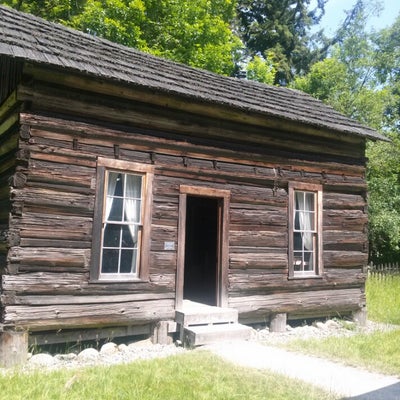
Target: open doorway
201, 250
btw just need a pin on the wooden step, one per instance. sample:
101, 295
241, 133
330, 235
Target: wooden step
193, 313
208, 334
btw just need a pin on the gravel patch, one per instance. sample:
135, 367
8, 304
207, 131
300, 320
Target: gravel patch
111, 353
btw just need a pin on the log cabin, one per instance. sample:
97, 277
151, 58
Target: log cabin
132, 186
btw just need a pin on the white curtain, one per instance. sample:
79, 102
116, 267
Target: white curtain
132, 203
306, 215
112, 183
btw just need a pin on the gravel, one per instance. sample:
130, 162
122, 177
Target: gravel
111, 353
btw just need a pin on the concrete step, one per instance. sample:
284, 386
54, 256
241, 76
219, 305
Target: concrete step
193, 313
208, 334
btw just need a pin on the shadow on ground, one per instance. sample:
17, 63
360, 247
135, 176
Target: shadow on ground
391, 392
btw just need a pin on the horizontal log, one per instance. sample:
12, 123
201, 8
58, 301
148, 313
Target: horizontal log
259, 217
41, 318
319, 302
55, 299
60, 201
335, 259
72, 283
257, 260
259, 238
50, 257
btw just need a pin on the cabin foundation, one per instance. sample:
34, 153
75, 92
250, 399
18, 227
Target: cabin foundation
13, 348
278, 322
360, 316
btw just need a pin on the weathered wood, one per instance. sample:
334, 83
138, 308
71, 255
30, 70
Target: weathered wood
277, 322
77, 336
13, 348
95, 315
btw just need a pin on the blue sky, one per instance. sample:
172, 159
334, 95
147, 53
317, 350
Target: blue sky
334, 14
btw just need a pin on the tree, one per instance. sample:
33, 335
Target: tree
261, 70
281, 28
197, 33
360, 79
194, 33
52, 10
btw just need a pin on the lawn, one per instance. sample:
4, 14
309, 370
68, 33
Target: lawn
196, 375
378, 351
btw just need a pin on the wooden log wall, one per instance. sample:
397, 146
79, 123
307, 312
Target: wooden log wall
52, 202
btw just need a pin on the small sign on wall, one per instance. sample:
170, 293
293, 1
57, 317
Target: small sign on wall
169, 245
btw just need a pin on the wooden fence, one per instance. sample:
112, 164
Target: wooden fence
384, 269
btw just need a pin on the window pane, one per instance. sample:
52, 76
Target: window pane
309, 203
119, 186
132, 210
116, 210
128, 261
133, 186
297, 241
129, 236
110, 261
308, 261
112, 233
298, 261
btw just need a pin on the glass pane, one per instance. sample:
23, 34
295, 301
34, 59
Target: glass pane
297, 241
119, 186
112, 235
308, 261
129, 236
311, 224
109, 263
128, 261
133, 186
132, 210
297, 221
310, 204
116, 210
298, 261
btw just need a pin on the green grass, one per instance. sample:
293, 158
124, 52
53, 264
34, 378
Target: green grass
377, 351
383, 298
196, 375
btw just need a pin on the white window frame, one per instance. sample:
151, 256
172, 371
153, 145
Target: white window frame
314, 231
104, 167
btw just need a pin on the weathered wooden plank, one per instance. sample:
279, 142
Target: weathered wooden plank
36, 199
321, 302
73, 283
50, 257
259, 217
258, 238
54, 299
258, 260
85, 315
335, 259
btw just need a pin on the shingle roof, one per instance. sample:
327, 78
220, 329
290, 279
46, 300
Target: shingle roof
27, 37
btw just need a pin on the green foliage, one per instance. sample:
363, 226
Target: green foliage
384, 199
281, 28
261, 70
52, 10
383, 298
194, 33
192, 376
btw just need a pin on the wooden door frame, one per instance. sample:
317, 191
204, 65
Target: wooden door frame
223, 240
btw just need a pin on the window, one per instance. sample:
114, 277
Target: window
122, 222
305, 230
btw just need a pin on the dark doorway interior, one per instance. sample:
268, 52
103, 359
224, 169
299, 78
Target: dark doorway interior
201, 250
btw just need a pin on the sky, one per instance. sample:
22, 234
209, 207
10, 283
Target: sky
334, 14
